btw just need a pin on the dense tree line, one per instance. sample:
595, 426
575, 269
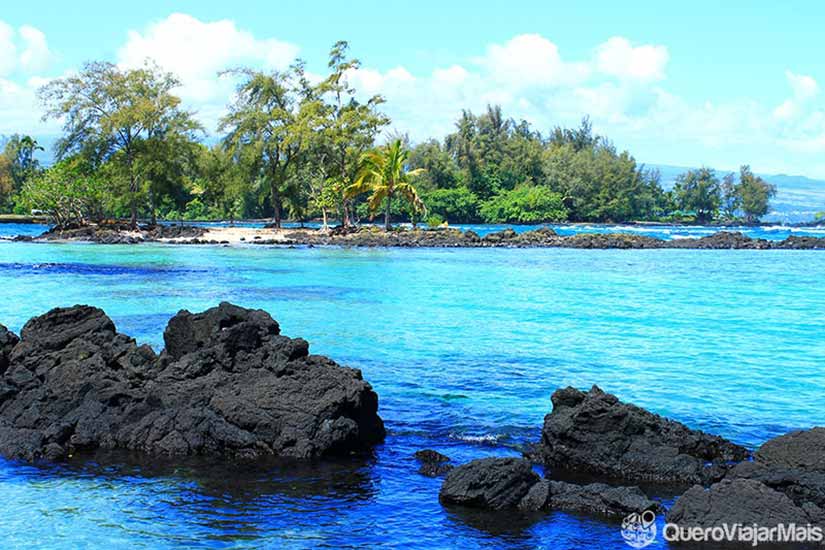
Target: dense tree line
297, 148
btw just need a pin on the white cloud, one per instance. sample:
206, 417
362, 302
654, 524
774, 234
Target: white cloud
196, 51
804, 89
8, 50
618, 57
621, 85
803, 86
529, 60
23, 53
36, 55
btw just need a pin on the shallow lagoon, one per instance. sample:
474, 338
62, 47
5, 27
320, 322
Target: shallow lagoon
464, 348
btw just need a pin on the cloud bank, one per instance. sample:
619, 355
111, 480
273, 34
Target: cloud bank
621, 84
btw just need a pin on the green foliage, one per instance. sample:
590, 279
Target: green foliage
306, 147
754, 194
434, 220
68, 191
458, 205
699, 192
17, 166
384, 175
494, 153
123, 117
525, 204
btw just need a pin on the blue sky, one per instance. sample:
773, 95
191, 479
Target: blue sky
716, 83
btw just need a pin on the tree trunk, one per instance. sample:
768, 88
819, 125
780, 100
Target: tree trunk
152, 207
345, 219
133, 200
276, 206
324, 217
132, 189
387, 224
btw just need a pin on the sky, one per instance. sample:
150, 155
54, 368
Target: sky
687, 84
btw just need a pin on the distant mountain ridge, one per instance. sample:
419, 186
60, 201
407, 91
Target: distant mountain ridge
798, 198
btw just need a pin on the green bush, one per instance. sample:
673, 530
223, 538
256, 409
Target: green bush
434, 220
525, 204
456, 205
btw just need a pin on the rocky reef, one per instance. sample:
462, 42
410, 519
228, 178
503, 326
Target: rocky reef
595, 432
537, 238
372, 237
511, 483
228, 384
784, 484
120, 233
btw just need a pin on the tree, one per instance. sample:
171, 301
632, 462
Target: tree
457, 205
6, 181
111, 113
348, 130
525, 204
220, 183
17, 165
754, 194
731, 201
698, 191
19, 153
384, 175
70, 192
272, 122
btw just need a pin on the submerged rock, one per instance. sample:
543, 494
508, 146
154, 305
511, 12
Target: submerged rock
433, 463
595, 432
511, 483
228, 384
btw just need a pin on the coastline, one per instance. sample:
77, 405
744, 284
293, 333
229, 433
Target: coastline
374, 237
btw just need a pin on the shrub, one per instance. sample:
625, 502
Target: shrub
525, 204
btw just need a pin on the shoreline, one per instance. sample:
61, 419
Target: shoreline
374, 237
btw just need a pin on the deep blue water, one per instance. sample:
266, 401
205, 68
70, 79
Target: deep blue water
464, 348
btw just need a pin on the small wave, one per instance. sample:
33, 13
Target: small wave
483, 438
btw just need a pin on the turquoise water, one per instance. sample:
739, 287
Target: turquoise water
464, 348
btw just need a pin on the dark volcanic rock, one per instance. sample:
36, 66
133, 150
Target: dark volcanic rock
7, 341
804, 450
595, 432
795, 242
722, 240
805, 489
785, 484
433, 463
117, 233
731, 501
489, 483
508, 483
229, 384
611, 240
599, 498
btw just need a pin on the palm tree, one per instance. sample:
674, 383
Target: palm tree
383, 173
